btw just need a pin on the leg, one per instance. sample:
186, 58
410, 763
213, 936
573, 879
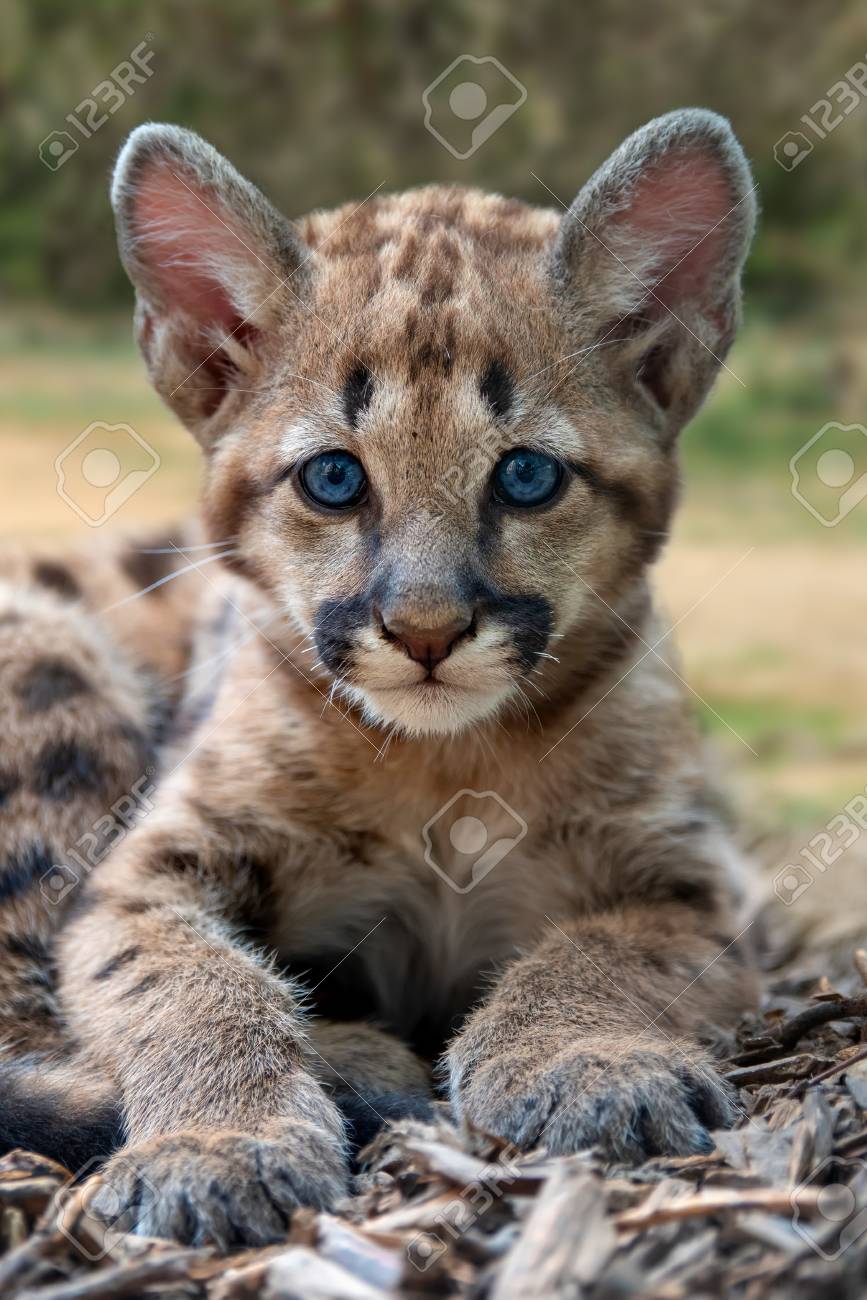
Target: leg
228, 1130
592, 1038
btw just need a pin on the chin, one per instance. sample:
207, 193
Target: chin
426, 709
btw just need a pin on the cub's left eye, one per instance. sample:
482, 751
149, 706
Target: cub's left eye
334, 479
526, 478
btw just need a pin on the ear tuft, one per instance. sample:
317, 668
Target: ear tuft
208, 256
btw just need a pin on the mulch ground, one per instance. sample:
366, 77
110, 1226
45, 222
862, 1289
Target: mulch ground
778, 1210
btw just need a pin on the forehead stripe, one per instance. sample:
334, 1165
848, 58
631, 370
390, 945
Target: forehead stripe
357, 392
497, 388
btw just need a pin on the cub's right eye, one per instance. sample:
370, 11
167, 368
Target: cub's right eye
334, 480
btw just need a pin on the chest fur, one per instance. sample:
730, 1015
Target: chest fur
407, 928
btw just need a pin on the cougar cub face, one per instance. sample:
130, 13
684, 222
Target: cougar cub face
428, 513
439, 425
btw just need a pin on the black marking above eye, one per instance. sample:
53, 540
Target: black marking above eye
357, 392
497, 388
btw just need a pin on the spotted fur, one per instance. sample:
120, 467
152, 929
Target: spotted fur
361, 680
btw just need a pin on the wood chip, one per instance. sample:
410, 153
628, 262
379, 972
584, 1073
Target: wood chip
444, 1211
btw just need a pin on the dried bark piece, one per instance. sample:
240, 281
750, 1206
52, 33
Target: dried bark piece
568, 1238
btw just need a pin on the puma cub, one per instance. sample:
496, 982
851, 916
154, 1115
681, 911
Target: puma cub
435, 797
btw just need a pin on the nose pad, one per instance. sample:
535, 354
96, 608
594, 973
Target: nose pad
426, 645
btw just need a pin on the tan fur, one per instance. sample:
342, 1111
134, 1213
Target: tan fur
285, 864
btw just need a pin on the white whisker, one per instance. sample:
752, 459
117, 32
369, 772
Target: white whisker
534, 686
307, 380
530, 706
225, 653
183, 550
170, 577
603, 343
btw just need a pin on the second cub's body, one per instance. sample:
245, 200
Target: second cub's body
440, 781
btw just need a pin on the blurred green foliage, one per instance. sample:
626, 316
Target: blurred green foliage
319, 101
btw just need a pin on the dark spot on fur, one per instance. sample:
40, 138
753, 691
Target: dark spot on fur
22, 869
137, 906
439, 279
142, 987
120, 960
65, 770
49, 682
404, 265
9, 783
497, 389
57, 578
430, 347
174, 863
31, 947
357, 394
144, 748
692, 893
144, 569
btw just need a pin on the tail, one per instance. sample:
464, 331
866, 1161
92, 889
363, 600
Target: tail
84, 699
57, 1111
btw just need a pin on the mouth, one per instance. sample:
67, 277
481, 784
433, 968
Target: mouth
427, 686
430, 706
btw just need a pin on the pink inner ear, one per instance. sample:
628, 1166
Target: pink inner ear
671, 225
182, 236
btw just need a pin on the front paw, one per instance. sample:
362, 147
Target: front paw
222, 1188
629, 1101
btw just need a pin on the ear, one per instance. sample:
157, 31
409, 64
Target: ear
208, 256
651, 252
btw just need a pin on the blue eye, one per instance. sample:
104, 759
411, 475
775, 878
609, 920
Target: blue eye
334, 479
526, 478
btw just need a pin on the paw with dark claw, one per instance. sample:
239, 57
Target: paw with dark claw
628, 1101
223, 1188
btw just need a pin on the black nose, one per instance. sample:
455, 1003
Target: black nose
426, 645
